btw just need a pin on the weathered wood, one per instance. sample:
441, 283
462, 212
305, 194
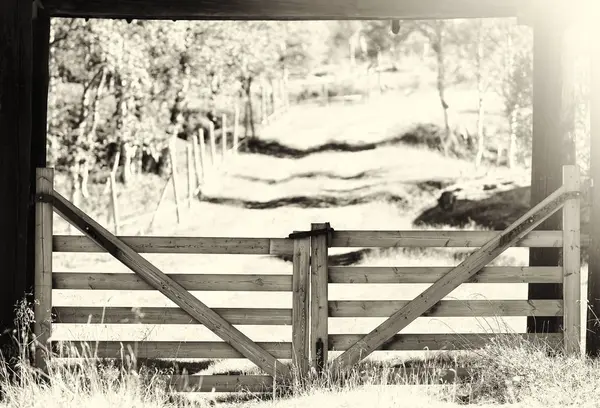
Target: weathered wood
203, 153
448, 239
17, 277
571, 260
171, 289
163, 349
39, 113
182, 245
448, 308
168, 315
592, 340
408, 342
442, 287
197, 160
410, 275
284, 9
301, 303
318, 298
220, 383
199, 282
213, 145
552, 145
43, 268
114, 202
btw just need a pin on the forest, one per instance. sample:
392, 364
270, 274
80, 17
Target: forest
131, 86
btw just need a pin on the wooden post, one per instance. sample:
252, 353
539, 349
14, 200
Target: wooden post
173, 156
114, 201
43, 268
39, 114
593, 293
197, 161
213, 145
190, 174
572, 264
236, 129
224, 138
553, 142
300, 307
318, 299
15, 159
203, 161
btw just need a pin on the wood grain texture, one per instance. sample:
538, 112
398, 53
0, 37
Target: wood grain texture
412, 342
220, 383
571, 260
182, 245
162, 349
171, 289
168, 315
411, 275
300, 305
448, 308
194, 282
318, 298
283, 9
441, 288
42, 327
447, 239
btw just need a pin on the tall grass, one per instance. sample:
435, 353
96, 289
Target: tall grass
507, 370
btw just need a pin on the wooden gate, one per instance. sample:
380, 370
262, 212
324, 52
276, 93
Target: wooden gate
309, 282
176, 289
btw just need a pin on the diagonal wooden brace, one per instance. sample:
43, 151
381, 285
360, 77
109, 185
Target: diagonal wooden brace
167, 286
454, 278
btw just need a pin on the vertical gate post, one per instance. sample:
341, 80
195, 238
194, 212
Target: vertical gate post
571, 263
300, 306
43, 268
318, 298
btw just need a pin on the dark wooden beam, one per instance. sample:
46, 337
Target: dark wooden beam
15, 156
553, 143
593, 315
283, 9
39, 107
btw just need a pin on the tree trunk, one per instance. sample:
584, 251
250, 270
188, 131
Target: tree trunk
441, 88
479, 57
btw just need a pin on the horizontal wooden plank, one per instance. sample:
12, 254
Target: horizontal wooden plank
219, 383
448, 239
199, 282
413, 342
449, 308
181, 245
282, 9
167, 315
163, 349
411, 275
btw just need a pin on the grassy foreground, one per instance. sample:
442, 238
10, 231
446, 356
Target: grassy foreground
507, 371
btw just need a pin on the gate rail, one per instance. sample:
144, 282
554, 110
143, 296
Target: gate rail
311, 308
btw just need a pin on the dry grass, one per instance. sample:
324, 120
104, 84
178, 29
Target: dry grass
397, 171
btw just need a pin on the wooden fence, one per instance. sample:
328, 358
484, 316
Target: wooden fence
311, 275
